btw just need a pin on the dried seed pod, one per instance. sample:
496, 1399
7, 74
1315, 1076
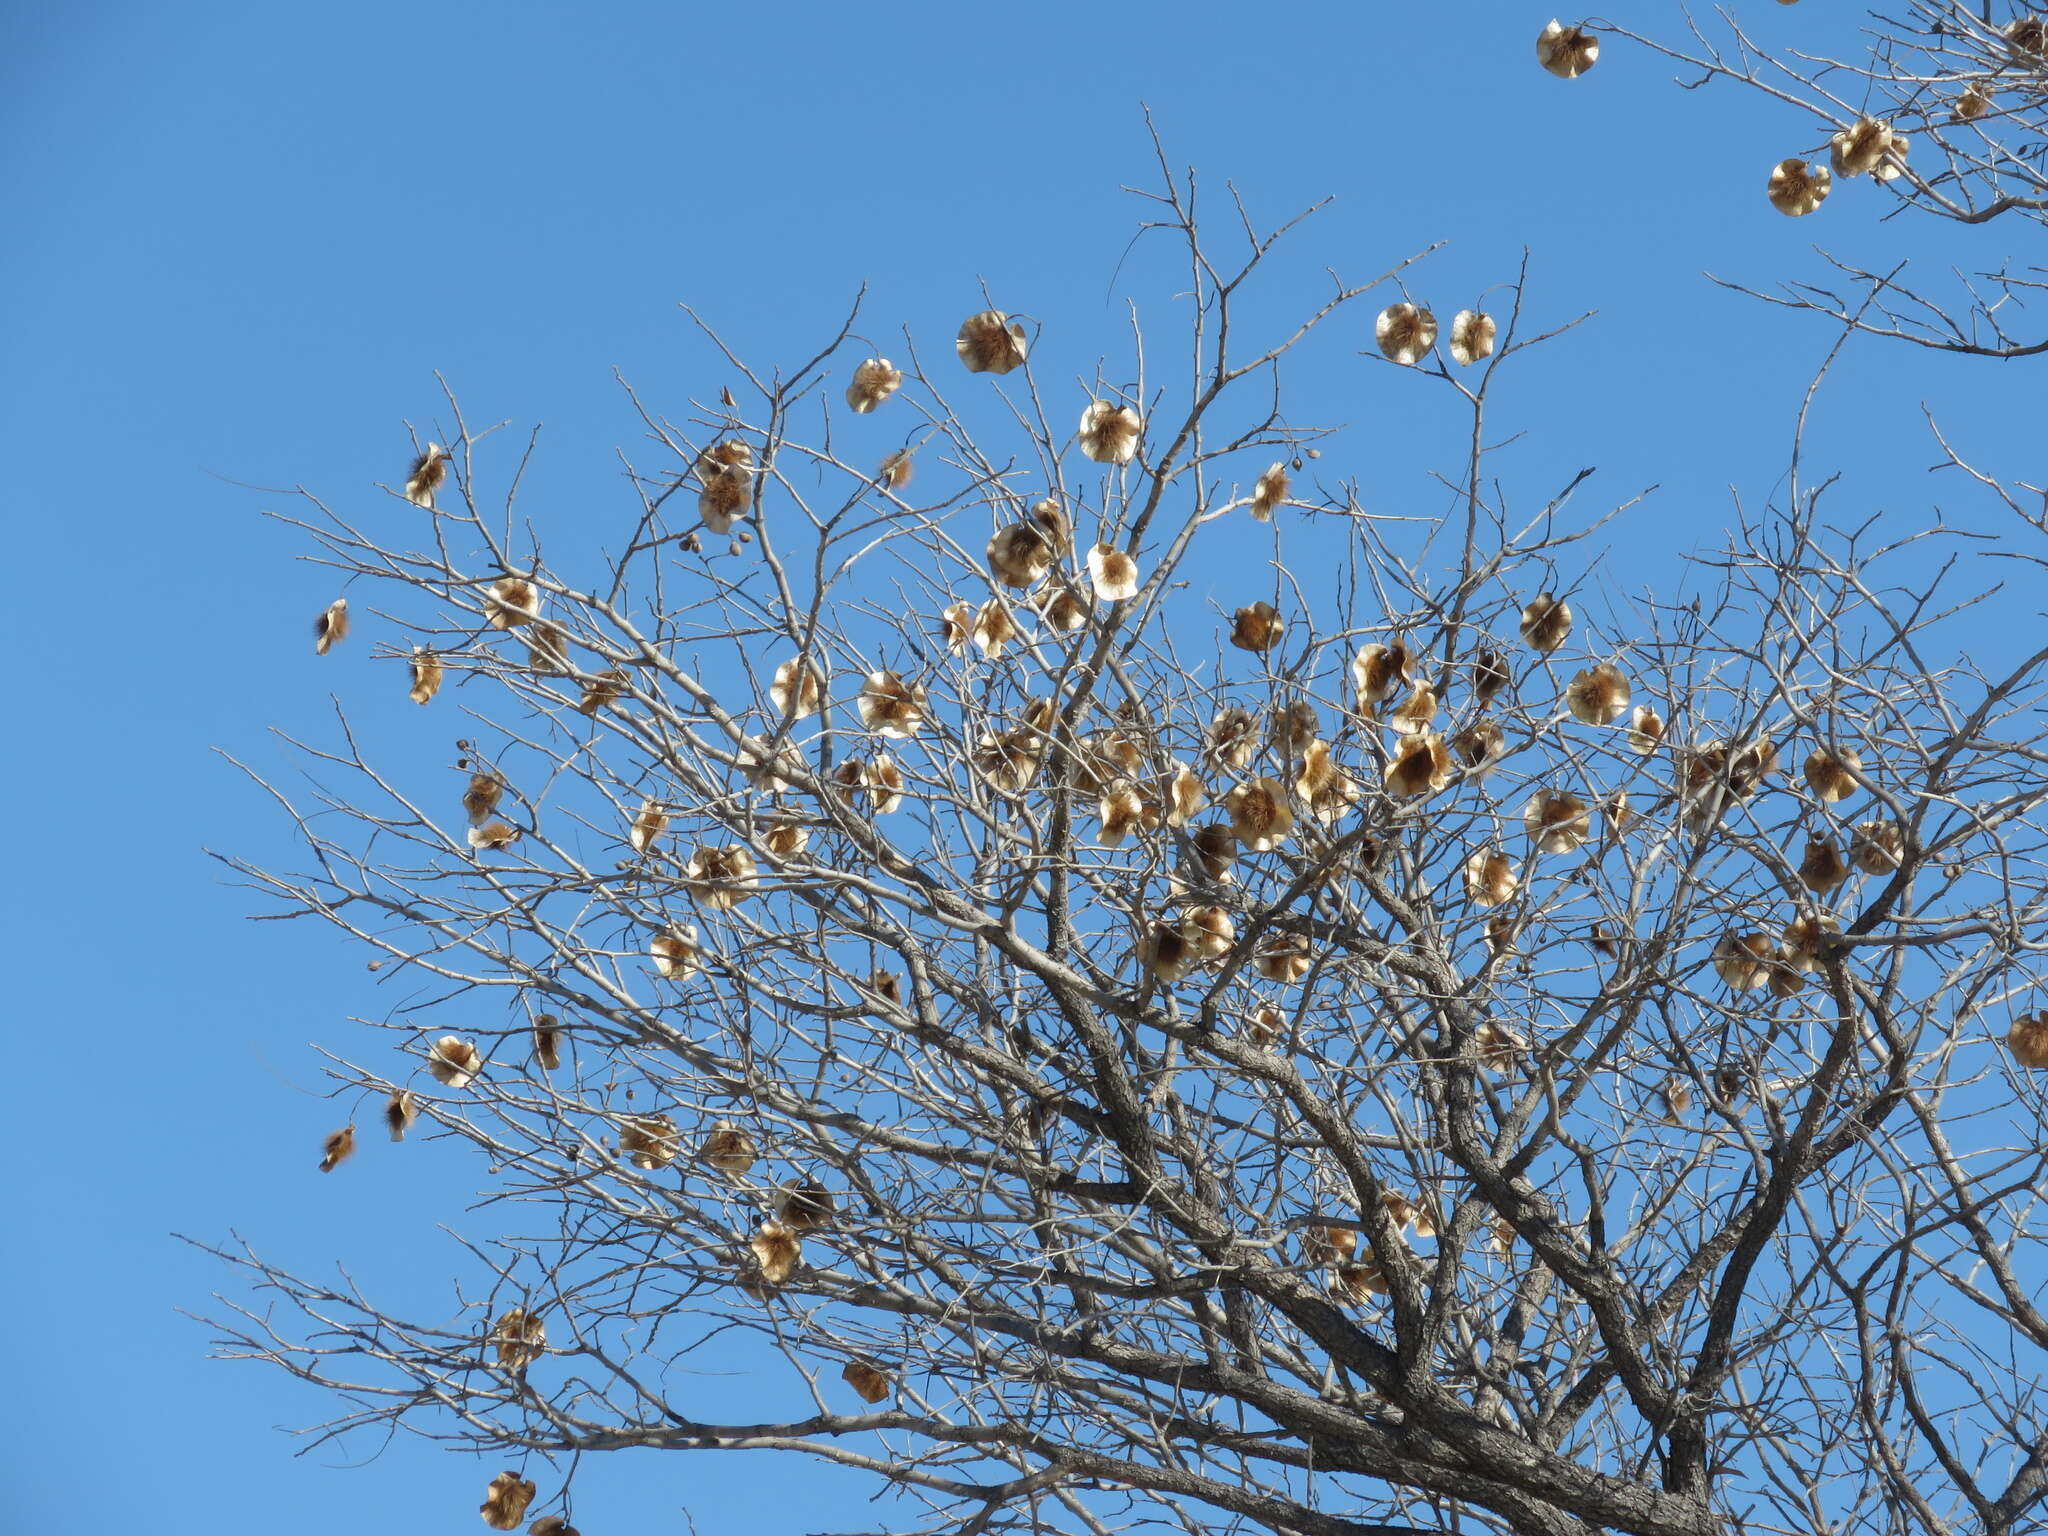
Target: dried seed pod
1166, 951
1269, 491
804, 1206
1319, 775
1645, 730
994, 628
520, 1337
1502, 929
1123, 811
1546, 623
647, 826
1499, 1047
1405, 333
1378, 672
601, 690
887, 986
2027, 40
1867, 147
870, 1383
1328, 1244
1359, 1282
1283, 958
428, 470
722, 497
1878, 847
1489, 674
1405, 1213
884, 784
1822, 869
1472, 336
649, 1141
1567, 52
956, 625
481, 797
1215, 848
675, 953
1615, 812
1598, 695
512, 601
1112, 573
1260, 814
798, 689
1832, 775
720, 878
729, 1149
1019, 554
896, 469
1974, 103
1185, 794
1257, 628
769, 769
990, 342
1109, 433
776, 1250
874, 381
400, 1110
1556, 820
1062, 611
1267, 1026
547, 1042
1601, 941
2027, 1039
891, 707
1490, 878
1479, 747
331, 628
1797, 188
1416, 713
1010, 760
426, 675
730, 453
505, 1501
1421, 765
493, 836
1293, 727
1501, 1233
337, 1149
453, 1062
552, 1525
1804, 937
785, 837
1232, 738
1744, 960
1674, 1096
1211, 932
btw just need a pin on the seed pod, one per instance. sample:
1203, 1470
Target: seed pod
1744, 960
1867, 147
1471, 337
552, 1525
1283, 958
1112, 573
493, 836
1257, 628
1270, 491
400, 1110
453, 1061
601, 690
2028, 1040
776, 1249
805, 1206
547, 1042
1414, 714
1267, 1026
1877, 847
331, 628
1479, 747
729, 1149
513, 601
1490, 878
896, 469
1294, 727
1109, 433
1421, 765
547, 652
1832, 775
1211, 932
1215, 848
1645, 730
1489, 674
1546, 623
1405, 333
720, 878
1974, 103
771, 770
891, 707
1259, 813
1556, 821
1797, 188
675, 953
337, 1149
1499, 1047
1328, 1244
649, 1141
647, 826
1822, 869
520, 1337
797, 690
1186, 794
990, 342
482, 796
994, 628
874, 381
1359, 1282
428, 470
505, 1501
1325, 788
1675, 1097
1598, 695
870, 1383
1378, 672
1166, 952
2027, 40
1062, 611
1232, 738
785, 837
1019, 554
1123, 811
1567, 52
426, 675
1804, 937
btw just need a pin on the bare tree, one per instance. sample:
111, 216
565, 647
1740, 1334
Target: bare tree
1428, 1043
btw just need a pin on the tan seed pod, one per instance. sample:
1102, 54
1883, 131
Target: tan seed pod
649, 1141
874, 381
1054, 525
331, 628
426, 675
1318, 771
1359, 1282
1822, 869
994, 628
1378, 672
1292, 728
720, 878
1615, 812
1405, 1213
1832, 775
785, 837
730, 453
1259, 813
722, 498
1328, 1244
776, 1249
1556, 821
481, 797
1269, 491
1211, 932
1109, 433
519, 1337
400, 1110
1009, 760
337, 1149
1567, 52
1597, 696
1405, 333
1215, 849
1489, 674
1600, 939
1973, 103
1502, 929
1645, 730
1472, 336
2027, 1039
601, 690
493, 836
1499, 1047
805, 1206
887, 986
990, 342
1490, 878
547, 1042
1166, 952
1546, 623
891, 707
1784, 980
1112, 573
1232, 739
553, 1525
896, 469
1797, 188
547, 652
767, 768
1479, 747
956, 625
1674, 1096
1256, 628
1421, 765
1019, 554
505, 1501
453, 1062
1744, 960
884, 783
1185, 795
1416, 713
675, 953
428, 470
1267, 1026
1500, 1233
798, 689
647, 826
1283, 958
1060, 609
1804, 936
1865, 148
2027, 40
871, 1384
1877, 847
1123, 811
729, 1149
513, 601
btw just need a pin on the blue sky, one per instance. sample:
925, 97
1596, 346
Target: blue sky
243, 238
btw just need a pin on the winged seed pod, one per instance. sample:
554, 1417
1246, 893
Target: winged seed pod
1215, 851
1421, 765
1019, 554
774, 773
1416, 713
956, 625
1479, 747
547, 1042
896, 469
1974, 103
426, 675
2027, 1039
776, 1249
675, 953
1113, 574
1109, 433
1358, 1283
649, 1141
990, 342
1598, 695
1185, 794
400, 1110
1499, 1047
331, 628
1803, 938
1259, 813
804, 1206
722, 495
1211, 932
601, 690
1471, 337
720, 878
453, 1062
1256, 628
1166, 952
1877, 847
482, 795
1744, 960
552, 1525
1567, 52
1645, 730
1061, 610
512, 601
1123, 811
1405, 333
1266, 1026
1489, 674
1866, 147
1490, 878
729, 1149
784, 837
1546, 623
1822, 869
428, 470
1615, 812
2027, 40
505, 1501
1009, 760
1556, 821
647, 826
1232, 738
994, 628
1283, 958
1293, 726
1378, 672
874, 381
891, 707
871, 1385
520, 1337
884, 784
1270, 491
1674, 1097
1797, 188
337, 1149
797, 690
493, 836
1832, 775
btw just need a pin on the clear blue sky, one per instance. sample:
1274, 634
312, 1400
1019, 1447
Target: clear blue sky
242, 237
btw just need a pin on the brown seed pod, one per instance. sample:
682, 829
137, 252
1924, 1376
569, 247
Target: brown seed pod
1546, 623
1645, 730
1421, 765
649, 1141
552, 1525
1325, 788
1019, 554
1378, 672
547, 1042
1675, 1096
1232, 739
1211, 932
1215, 850
1112, 573
513, 601
648, 825
887, 986
874, 381
797, 690
1797, 188
1267, 1026
1878, 847
994, 628
520, 1337
426, 675
453, 1062
1283, 958
1804, 937
1499, 1047
1556, 821
1185, 794
1294, 726
1109, 433
1123, 810
720, 878
1822, 869
1489, 674
428, 470
1973, 103
505, 1501
1405, 333
1490, 878
1328, 1244
1416, 713
1166, 952
1062, 611
493, 836
891, 707
1869, 147
990, 342
2028, 1040
1832, 775
1359, 1282
804, 1206
776, 1249
601, 690
1479, 747
1567, 52
337, 1149
675, 953
1260, 814
869, 1383
1598, 695
331, 628
896, 469
547, 652
1472, 336
1269, 491
729, 1149
1744, 960
400, 1110
1257, 628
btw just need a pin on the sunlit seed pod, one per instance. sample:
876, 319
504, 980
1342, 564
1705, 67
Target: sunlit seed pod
1546, 623
871, 1385
957, 626
1283, 958
428, 470
2027, 40
1259, 813
1266, 1027
552, 1525
1328, 1244
1805, 936
1502, 929
1860, 148
1123, 811
1112, 573
1479, 747
891, 707
776, 1249
1009, 760
1822, 869
1185, 794
1556, 821
1877, 847
994, 628
1416, 713
874, 381
1211, 932
1832, 775
887, 986
519, 1337
1600, 939
849, 781
729, 1149
1109, 433
798, 689
1292, 728
1421, 765
337, 1149
1489, 674
648, 825
1215, 849
1062, 612
426, 675
649, 1141
896, 469
1784, 979
675, 953
493, 836
2027, 1039
1973, 103
481, 797
547, 1042
1499, 1047
1269, 491
453, 1062
990, 342
1405, 1213
1743, 960
1731, 1082
1359, 1282
1615, 813
1019, 554
1472, 336
400, 1110
722, 499
505, 1501
1500, 1233
513, 601
1751, 765
1405, 333
804, 1206
884, 786
785, 837
1258, 627
1053, 524
1166, 952
1797, 188
1598, 695
331, 628
720, 878
1318, 771
1567, 52
1232, 738
1378, 672
601, 690
1674, 1097
1645, 730
771, 771
1490, 878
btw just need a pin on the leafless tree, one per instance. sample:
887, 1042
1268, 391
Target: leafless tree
1425, 1042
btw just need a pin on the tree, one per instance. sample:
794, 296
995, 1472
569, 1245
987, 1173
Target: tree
1427, 1043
